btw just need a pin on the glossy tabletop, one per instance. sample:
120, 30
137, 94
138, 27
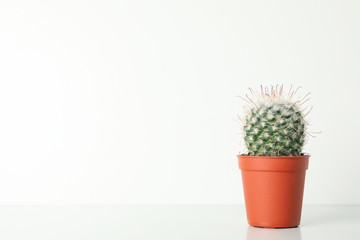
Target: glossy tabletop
169, 222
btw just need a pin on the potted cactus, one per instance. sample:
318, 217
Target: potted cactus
273, 169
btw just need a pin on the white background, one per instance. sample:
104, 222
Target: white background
116, 102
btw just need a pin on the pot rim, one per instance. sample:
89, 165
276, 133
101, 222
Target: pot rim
273, 163
245, 155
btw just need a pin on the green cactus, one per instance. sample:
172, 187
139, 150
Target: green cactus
274, 124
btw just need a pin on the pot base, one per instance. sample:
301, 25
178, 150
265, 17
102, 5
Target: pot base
274, 227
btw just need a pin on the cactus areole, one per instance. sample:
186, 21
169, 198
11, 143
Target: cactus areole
274, 124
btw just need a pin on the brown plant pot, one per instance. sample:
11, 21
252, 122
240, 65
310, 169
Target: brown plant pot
273, 189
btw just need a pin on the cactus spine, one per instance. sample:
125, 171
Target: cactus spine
274, 124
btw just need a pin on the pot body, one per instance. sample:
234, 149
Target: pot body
273, 189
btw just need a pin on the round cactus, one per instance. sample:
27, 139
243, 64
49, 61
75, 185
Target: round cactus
274, 124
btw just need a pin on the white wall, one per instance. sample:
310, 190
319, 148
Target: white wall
111, 102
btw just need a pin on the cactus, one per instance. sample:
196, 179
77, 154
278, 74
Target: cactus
274, 124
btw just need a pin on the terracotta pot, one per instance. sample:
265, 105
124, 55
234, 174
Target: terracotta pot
273, 189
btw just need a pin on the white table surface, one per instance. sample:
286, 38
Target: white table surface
169, 222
